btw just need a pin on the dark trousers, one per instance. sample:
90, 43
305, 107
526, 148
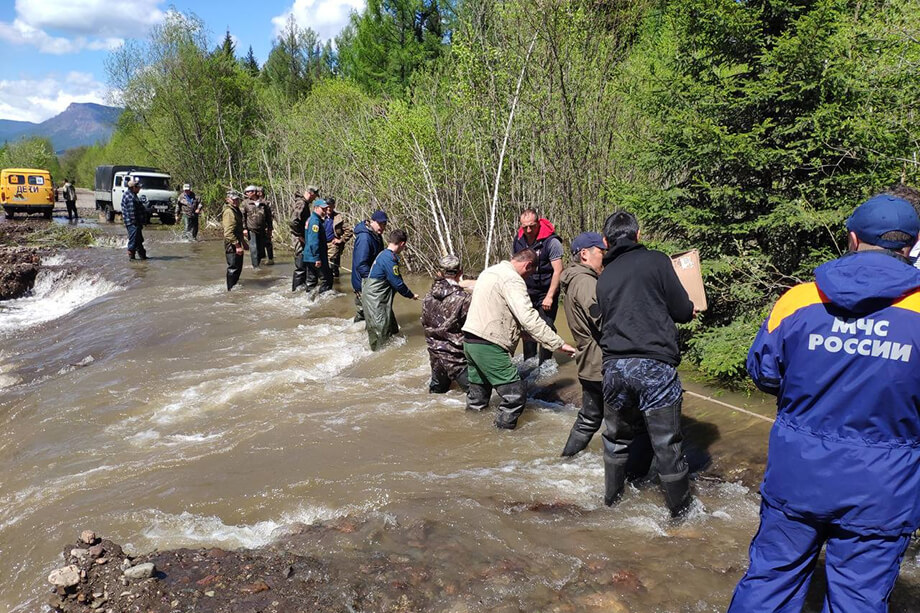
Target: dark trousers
318, 275
269, 247
300, 271
335, 261
530, 347
136, 241
643, 394
72, 209
191, 225
441, 380
234, 266
257, 242
861, 568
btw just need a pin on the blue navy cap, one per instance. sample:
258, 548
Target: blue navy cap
882, 214
586, 240
319, 202
379, 217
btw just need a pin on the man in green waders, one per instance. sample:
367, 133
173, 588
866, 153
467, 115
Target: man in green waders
499, 310
378, 290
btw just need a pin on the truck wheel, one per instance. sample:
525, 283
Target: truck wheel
109, 213
8, 215
167, 220
47, 213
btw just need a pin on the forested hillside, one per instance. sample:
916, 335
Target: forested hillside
748, 129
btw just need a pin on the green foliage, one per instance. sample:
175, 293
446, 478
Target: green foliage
296, 61
720, 353
390, 40
32, 152
250, 64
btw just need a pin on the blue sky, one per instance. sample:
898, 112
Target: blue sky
53, 51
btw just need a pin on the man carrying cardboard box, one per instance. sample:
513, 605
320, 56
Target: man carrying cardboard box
641, 299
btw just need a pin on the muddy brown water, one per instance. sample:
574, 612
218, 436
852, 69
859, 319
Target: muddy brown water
143, 401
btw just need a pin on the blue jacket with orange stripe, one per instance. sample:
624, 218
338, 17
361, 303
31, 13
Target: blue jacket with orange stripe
842, 355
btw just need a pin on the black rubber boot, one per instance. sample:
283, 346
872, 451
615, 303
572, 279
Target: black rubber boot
576, 443
618, 439
667, 441
588, 420
614, 478
477, 397
513, 397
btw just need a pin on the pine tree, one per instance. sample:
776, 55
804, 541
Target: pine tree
250, 64
228, 47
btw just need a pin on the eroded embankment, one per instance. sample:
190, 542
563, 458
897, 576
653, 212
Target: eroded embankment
23, 245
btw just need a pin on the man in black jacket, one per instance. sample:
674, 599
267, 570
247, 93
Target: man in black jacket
641, 299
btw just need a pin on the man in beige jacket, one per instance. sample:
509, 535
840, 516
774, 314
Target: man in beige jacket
499, 310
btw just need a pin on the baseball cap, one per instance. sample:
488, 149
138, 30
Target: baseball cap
250, 188
449, 263
235, 195
586, 240
881, 214
134, 182
186, 186
379, 217
320, 203
313, 188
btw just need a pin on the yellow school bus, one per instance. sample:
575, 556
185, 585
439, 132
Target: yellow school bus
26, 190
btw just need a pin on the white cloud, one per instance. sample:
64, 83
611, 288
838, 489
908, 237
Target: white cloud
36, 100
325, 17
85, 24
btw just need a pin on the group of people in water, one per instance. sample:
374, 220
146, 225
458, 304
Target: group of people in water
843, 468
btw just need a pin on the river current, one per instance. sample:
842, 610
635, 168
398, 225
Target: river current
143, 401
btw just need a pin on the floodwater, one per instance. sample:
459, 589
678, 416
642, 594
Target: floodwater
143, 401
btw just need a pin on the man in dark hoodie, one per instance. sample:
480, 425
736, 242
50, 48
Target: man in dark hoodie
579, 284
368, 245
539, 235
641, 299
843, 468
444, 312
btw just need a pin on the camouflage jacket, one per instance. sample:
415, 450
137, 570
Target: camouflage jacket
443, 315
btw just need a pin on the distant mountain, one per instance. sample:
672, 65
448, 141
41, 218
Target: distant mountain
82, 123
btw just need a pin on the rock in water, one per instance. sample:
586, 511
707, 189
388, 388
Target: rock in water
88, 537
141, 571
68, 576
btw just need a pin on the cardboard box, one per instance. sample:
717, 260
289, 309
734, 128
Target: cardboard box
687, 267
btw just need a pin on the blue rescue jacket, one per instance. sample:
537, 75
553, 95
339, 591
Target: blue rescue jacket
842, 355
314, 248
386, 266
368, 244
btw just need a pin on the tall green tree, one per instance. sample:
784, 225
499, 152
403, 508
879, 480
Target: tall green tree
390, 40
296, 61
250, 63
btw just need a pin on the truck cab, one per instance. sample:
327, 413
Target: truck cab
156, 195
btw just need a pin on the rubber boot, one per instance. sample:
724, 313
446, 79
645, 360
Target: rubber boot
614, 478
588, 420
513, 396
667, 441
477, 397
576, 443
131, 255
